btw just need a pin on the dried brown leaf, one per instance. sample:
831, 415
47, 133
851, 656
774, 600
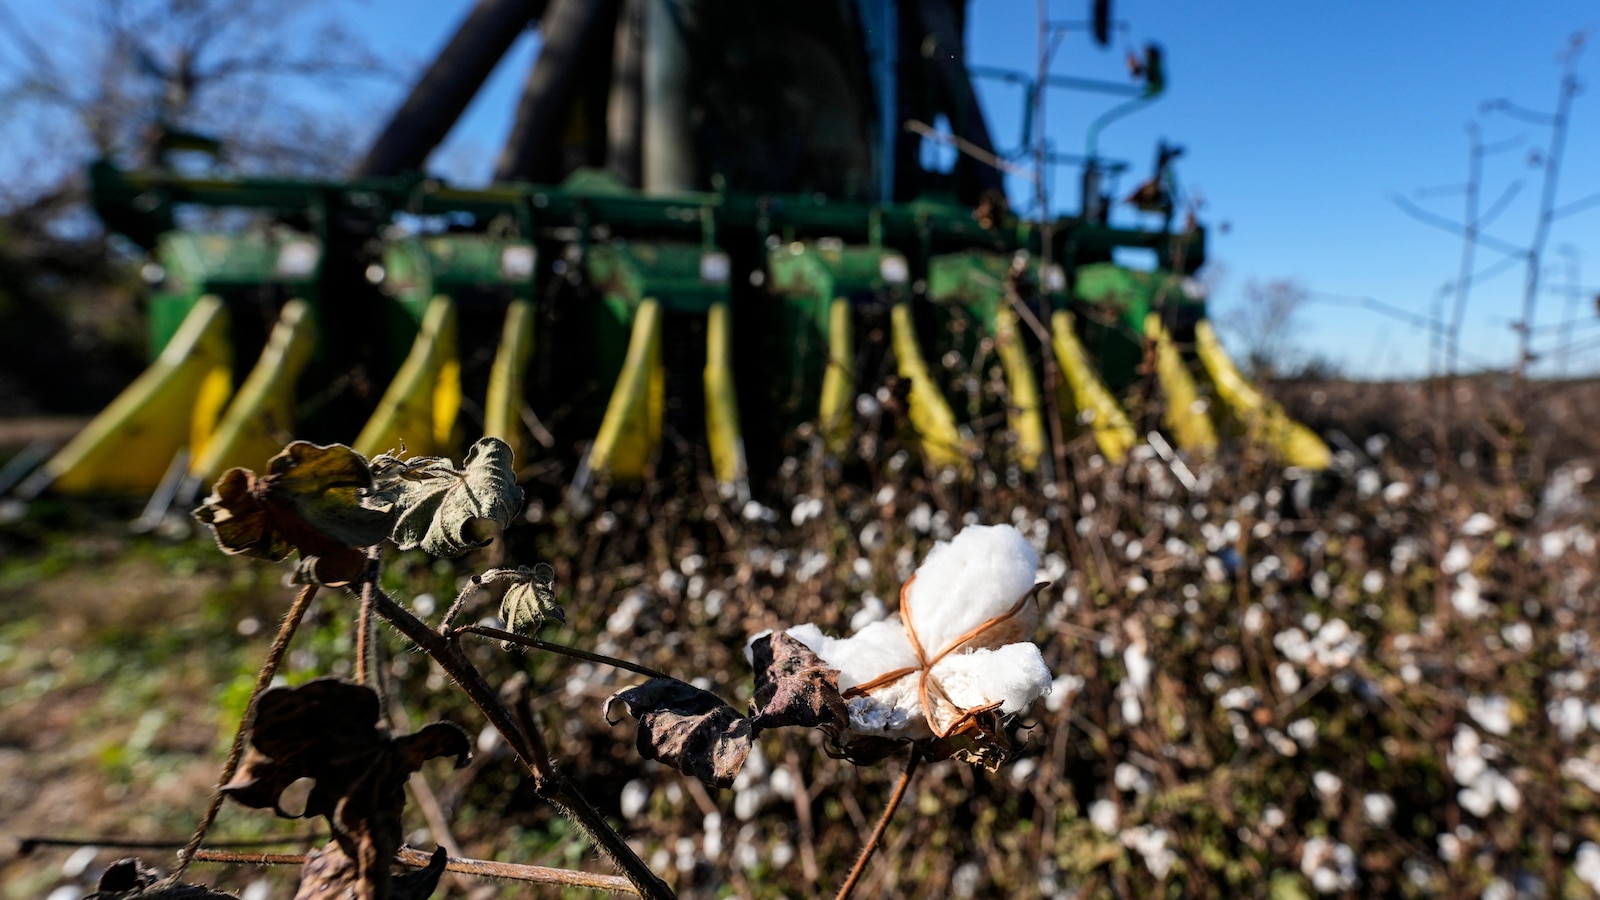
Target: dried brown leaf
314, 499
327, 730
795, 687
687, 728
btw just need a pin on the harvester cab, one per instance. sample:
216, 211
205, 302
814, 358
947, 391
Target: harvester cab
711, 226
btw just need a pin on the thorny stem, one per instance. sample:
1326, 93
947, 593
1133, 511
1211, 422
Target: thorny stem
269, 669
560, 649
417, 859
26, 845
364, 620
460, 603
849, 885
548, 783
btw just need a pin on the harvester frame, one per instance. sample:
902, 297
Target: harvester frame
372, 277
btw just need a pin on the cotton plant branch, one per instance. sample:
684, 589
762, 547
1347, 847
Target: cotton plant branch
548, 782
269, 670
849, 886
560, 649
481, 867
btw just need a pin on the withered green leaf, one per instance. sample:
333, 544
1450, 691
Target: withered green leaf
434, 506
795, 687
530, 598
314, 499
690, 730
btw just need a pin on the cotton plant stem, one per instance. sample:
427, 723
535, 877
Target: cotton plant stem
548, 782
417, 860
802, 816
30, 843
849, 885
364, 633
561, 649
460, 603
269, 669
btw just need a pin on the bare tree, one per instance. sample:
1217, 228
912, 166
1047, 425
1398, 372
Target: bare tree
134, 80
1265, 325
1472, 227
277, 83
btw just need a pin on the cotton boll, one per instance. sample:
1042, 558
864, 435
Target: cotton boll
1477, 801
892, 710
1379, 808
1062, 690
1137, 662
878, 648
635, 797
1465, 758
1587, 865
1103, 815
1493, 713
872, 610
979, 575
1396, 492
1584, 771
1132, 710
1014, 674
1502, 790
1372, 582
1467, 597
1288, 679
1456, 559
1449, 847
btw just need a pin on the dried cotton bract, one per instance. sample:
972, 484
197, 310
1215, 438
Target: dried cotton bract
958, 654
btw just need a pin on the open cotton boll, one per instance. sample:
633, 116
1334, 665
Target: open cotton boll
878, 648
892, 710
1014, 675
979, 575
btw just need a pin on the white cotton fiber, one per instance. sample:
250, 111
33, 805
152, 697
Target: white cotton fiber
878, 648
1014, 674
980, 574
894, 710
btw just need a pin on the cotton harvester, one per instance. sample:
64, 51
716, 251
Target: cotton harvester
711, 217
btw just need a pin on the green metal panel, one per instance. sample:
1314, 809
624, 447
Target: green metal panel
472, 269
1115, 302
807, 276
682, 276
249, 267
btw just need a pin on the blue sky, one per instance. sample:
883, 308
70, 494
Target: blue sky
1301, 121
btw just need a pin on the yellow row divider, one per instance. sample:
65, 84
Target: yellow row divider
502, 408
1112, 431
631, 429
722, 404
838, 379
260, 419
1291, 442
1023, 413
931, 415
172, 405
1185, 415
419, 409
